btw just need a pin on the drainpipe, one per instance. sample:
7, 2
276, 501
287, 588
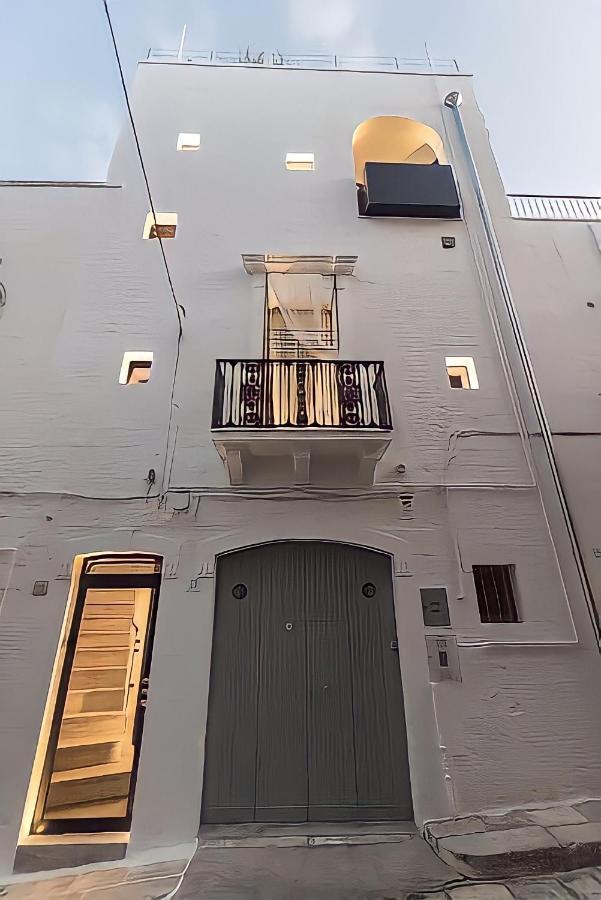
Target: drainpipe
453, 102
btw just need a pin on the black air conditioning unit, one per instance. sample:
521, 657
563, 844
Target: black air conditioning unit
409, 190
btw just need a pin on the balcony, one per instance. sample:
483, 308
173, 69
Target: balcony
406, 190
300, 421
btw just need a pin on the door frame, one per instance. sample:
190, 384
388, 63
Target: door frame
39, 825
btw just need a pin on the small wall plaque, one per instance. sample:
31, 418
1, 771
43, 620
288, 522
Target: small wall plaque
448, 243
40, 589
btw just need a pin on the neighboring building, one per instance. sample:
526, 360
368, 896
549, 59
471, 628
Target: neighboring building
327, 427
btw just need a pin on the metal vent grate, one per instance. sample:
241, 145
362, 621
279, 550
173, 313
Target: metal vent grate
561, 209
495, 590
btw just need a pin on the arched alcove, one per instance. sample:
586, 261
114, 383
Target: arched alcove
395, 139
401, 170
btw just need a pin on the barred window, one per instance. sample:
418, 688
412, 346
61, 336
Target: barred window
496, 593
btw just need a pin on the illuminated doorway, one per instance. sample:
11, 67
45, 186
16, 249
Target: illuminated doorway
89, 772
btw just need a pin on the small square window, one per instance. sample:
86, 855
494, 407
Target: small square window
458, 377
462, 373
435, 607
496, 593
188, 140
300, 162
135, 368
164, 227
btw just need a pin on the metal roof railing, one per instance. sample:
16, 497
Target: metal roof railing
277, 59
555, 209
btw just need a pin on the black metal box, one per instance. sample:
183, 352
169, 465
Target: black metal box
409, 190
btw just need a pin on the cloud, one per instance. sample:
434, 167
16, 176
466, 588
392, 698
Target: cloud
323, 20
80, 135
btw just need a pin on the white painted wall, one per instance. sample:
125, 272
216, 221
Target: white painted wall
556, 272
82, 288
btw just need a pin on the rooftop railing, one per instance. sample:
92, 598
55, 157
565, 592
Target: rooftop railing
555, 209
276, 59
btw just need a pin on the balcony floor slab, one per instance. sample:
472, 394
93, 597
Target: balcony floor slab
281, 457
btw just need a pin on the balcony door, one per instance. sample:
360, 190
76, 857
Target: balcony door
301, 316
306, 718
91, 760
301, 323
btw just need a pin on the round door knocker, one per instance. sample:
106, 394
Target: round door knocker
239, 591
368, 589
288, 626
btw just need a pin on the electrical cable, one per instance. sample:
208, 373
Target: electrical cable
177, 306
75, 496
172, 893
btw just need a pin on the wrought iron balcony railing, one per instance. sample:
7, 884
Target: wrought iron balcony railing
295, 393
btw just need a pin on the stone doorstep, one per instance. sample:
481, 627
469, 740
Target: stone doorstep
453, 827
538, 841
546, 816
515, 851
299, 840
543, 840
485, 861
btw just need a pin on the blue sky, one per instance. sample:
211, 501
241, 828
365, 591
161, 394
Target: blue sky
536, 64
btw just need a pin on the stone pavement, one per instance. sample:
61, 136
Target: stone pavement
525, 841
152, 882
328, 862
583, 884
331, 872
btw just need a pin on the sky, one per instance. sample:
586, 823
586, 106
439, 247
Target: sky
536, 65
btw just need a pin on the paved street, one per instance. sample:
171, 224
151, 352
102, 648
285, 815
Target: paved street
379, 866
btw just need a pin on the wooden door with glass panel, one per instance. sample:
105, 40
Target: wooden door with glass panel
301, 329
91, 761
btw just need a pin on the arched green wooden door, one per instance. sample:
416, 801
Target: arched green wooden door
306, 719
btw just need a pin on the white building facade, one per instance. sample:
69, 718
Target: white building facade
308, 482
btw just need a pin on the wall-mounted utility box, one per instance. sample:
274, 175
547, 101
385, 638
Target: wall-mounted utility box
443, 658
409, 190
435, 607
